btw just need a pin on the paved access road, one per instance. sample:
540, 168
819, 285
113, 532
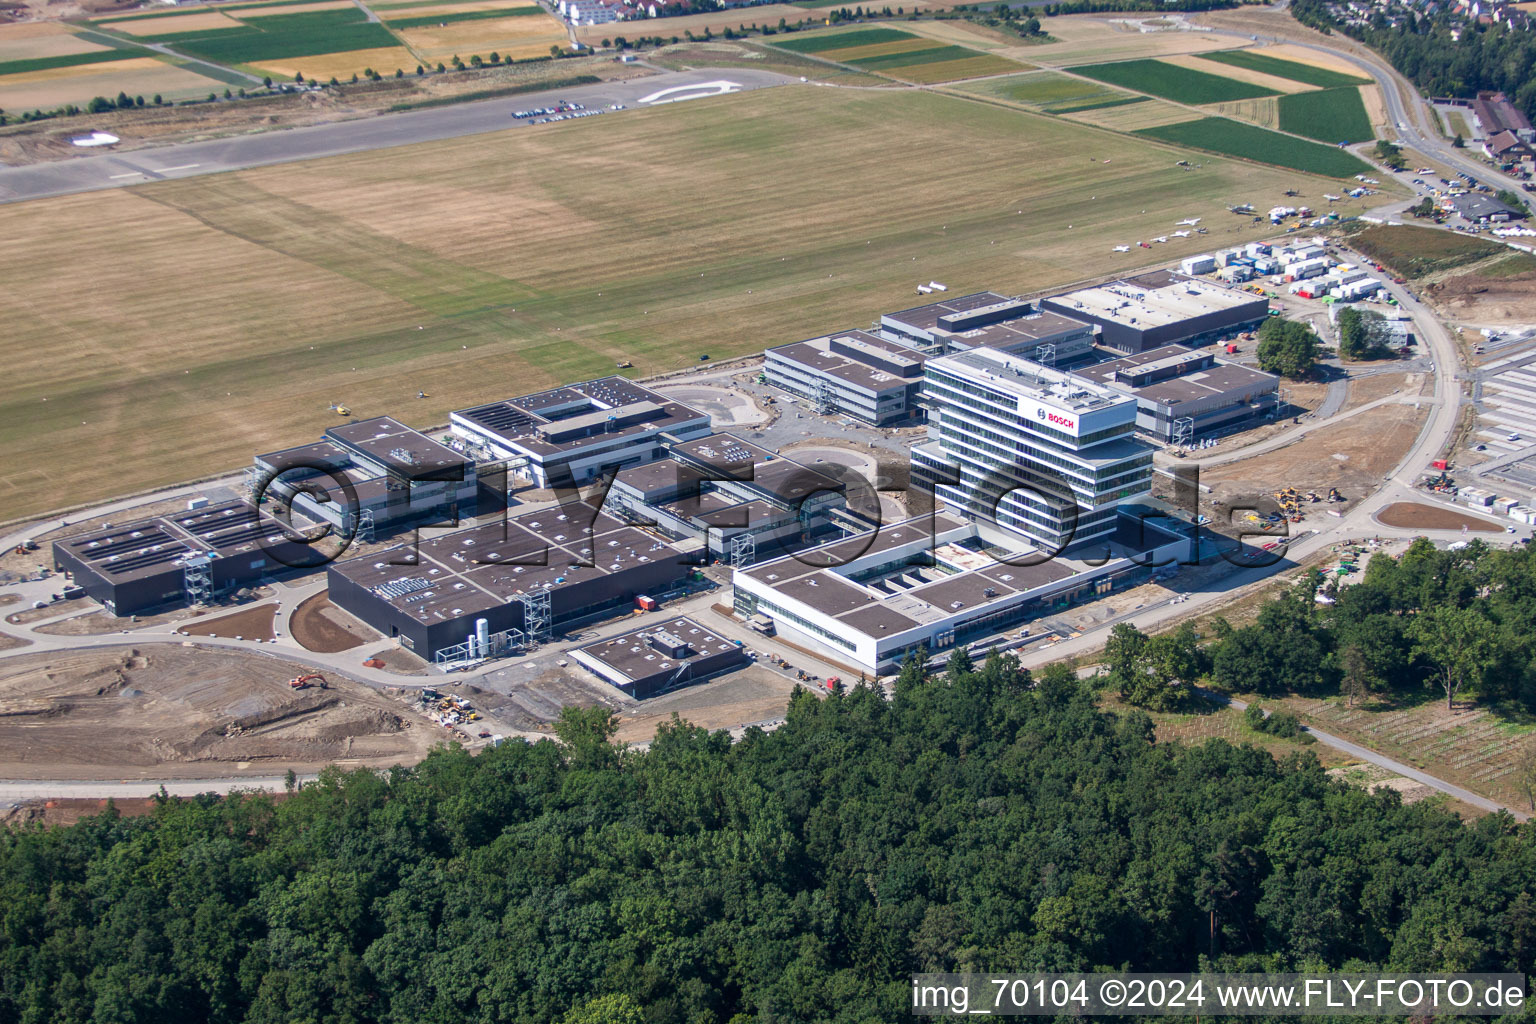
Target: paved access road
134, 167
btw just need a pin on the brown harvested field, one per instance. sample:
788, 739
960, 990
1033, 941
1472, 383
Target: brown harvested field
1303, 55
1376, 110
1088, 39
254, 623
30, 615
385, 60
1353, 455
1129, 117
1379, 385
409, 10
137, 76
10, 643
448, 267
30, 40
1413, 515
127, 712
318, 5
751, 695
1240, 74
1264, 111
1470, 746
198, 21
520, 37
318, 625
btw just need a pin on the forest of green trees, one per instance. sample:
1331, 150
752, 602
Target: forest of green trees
1421, 48
982, 819
1455, 624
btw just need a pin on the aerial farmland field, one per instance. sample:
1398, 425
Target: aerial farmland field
1328, 115
1237, 138
1172, 82
1323, 78
230, 311
899, 54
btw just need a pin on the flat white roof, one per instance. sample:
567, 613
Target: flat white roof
1144, 307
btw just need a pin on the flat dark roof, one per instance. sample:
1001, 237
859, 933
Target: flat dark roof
1038, 327
845, 368
149, 547
632, 655
522, 420
926, 318
841, 552
487, 566
404, 450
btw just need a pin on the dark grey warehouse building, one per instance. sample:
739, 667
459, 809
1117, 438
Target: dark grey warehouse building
188, 557
531, 573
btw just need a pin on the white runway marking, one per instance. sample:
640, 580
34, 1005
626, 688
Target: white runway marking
183, 167
130, 174
677, 93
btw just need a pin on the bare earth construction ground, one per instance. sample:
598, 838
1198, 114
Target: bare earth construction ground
160, 712
490, 265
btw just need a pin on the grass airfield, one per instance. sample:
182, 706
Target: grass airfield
225, 313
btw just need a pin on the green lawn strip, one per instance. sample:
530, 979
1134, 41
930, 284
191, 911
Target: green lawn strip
69, 60
842, 40
1328, 115
1171, 82
933, 55
1236, 138
422, 21
281, 36
1290, 69
1100, 105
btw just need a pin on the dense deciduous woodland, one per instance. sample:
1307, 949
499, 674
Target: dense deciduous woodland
981, 819
1422, 49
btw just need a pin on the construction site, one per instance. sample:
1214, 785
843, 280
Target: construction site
166, 711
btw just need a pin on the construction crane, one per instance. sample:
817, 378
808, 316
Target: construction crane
307, 680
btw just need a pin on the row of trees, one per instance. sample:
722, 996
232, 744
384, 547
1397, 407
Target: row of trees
984, 820
1421, 47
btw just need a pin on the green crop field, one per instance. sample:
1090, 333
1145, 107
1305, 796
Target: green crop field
1171, 82
424, 20
1328, 115
69, 60
1235, 138
280, 36
841, 40
1294, 70
229, 311
931, 55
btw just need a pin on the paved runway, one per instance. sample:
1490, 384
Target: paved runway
114, 170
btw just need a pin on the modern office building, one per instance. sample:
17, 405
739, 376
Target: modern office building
661, 656
737, 499
190, 557
990, 320
854, 373
938, 582
1035, 449
573, 434
375, 474
1160, 308
1183, 394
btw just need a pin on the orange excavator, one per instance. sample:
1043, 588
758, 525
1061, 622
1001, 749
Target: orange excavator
304, 682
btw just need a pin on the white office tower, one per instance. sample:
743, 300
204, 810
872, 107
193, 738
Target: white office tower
1037, 451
